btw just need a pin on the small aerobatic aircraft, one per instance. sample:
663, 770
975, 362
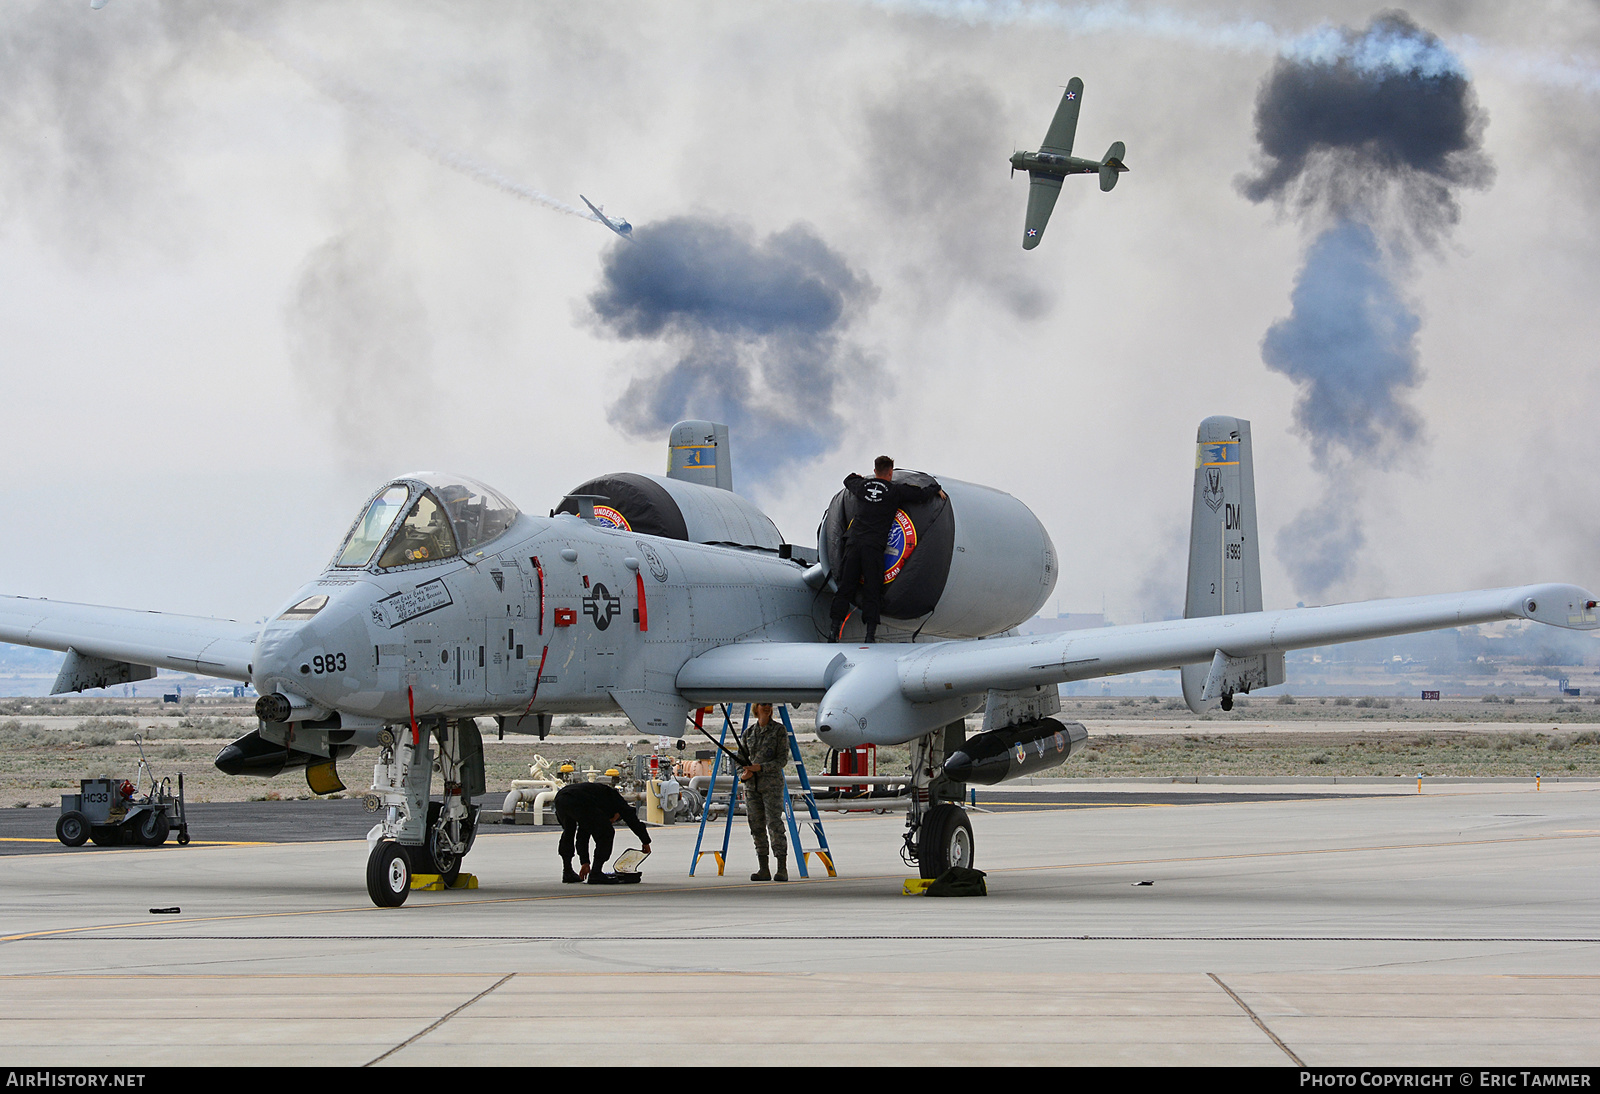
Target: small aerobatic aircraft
1054, 161
654, 595
620, 226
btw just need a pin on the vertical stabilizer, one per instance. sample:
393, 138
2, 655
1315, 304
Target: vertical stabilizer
699, 452
1224, 561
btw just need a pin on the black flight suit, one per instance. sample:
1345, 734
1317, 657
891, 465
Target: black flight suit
865, 542
584, 811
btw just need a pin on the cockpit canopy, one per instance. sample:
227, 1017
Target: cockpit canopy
425, 518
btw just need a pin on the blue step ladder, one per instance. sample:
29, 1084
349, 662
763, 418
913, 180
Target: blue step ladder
801, 853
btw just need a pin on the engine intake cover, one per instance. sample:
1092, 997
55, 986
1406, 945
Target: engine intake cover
976, 564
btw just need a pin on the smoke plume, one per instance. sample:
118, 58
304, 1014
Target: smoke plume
752, 332
402, 125
92, 108
358, 336
1365, 138
932, 145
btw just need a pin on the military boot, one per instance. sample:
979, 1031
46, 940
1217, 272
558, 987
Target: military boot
783, 869
764, 874
872, 636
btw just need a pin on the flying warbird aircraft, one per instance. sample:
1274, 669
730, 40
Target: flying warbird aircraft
620, 226
654, 595
1054, 161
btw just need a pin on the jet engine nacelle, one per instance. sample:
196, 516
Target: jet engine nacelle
975, 564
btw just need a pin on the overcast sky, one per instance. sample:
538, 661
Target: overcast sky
252, 262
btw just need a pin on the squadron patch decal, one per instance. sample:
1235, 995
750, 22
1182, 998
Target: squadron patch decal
653, 559
1212, 495
611, 518
902, 541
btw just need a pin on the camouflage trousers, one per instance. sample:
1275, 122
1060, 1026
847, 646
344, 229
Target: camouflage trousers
764, 805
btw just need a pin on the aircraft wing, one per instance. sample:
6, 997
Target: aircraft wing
805, 672
1042, 194
187, 643
1064, 126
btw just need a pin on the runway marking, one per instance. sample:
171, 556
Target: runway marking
192, 843
1298, 1062
440, 1022
442, 904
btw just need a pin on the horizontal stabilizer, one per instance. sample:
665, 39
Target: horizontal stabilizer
1111, 166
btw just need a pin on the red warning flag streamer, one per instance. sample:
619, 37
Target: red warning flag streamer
644, 616
416, 733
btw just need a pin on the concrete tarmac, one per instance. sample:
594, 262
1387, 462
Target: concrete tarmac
1455, 928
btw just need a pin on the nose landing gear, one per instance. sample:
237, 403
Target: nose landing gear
938, 834
416, 835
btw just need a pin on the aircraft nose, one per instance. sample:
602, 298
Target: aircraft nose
310, 650
838, 728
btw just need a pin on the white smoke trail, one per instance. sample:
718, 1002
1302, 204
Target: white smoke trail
387, 117
1322, 43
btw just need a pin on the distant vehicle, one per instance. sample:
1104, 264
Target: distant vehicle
620, 226
1054, 161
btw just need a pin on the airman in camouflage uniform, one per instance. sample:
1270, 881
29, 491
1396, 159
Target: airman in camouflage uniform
767, 748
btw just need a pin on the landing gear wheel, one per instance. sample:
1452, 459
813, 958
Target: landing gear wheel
153, 829
106, 835
388, 875
72, 828
945, 840
440, 859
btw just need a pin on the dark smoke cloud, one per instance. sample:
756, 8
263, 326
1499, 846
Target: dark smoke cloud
1354, 122
1365, 137
1350, 343
755, 329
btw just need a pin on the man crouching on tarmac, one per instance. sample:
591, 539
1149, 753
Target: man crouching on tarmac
587, 811
767, 747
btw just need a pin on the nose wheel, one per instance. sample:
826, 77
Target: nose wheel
388, 874
944, 840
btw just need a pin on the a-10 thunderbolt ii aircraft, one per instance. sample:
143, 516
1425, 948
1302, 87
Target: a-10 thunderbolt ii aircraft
1054, 161
654, 595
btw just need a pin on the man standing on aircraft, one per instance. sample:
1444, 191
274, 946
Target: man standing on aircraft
867, 539
767, 750
587, 811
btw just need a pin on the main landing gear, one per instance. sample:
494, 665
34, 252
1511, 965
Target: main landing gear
416, 835
938, 834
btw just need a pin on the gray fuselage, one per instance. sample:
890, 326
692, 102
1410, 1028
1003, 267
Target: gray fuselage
466, 636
